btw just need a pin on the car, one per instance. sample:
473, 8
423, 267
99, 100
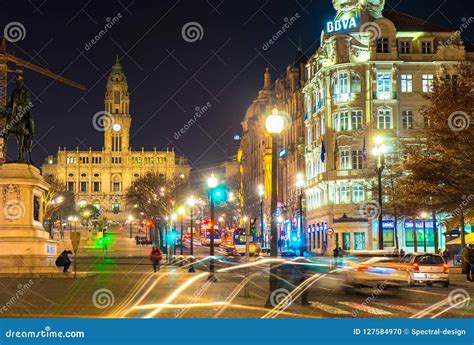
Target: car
426, 268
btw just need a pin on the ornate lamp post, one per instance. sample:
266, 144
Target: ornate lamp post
191, 203
275, 124
174, 218
181, 215
300, 183
261, 194
379, 151
212, 183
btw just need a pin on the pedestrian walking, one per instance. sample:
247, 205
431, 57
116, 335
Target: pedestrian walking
64, 260
471, 262
466, 266
446, 255
155, 258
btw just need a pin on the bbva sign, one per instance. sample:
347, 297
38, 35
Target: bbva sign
341, 25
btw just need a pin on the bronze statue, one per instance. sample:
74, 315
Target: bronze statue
19, 121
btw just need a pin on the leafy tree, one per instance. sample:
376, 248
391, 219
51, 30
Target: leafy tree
58, 201
437, 169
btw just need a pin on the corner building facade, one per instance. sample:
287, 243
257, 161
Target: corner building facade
102, 178
367, 79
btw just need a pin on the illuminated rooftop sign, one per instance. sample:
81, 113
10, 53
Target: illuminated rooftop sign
341, 25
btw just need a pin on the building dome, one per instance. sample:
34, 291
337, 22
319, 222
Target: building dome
116, 74
373, 8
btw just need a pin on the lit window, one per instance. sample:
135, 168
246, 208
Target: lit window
344, 121
356, 119
345, 194
358, 193
356, 84
384, 86
345, 160
427, 82
384, 118
407, 83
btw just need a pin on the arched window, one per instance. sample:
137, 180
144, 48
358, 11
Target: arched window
116, 97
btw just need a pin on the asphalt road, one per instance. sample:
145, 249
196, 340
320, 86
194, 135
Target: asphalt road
127, 287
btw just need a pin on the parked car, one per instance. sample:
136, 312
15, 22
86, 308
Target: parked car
426, 268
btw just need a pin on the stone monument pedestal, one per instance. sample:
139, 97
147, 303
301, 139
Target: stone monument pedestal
25, 246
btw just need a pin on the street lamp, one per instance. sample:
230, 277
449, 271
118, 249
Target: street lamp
130, 220
174, 218
379, 151
212, 183
275, 123
424, 216
300, 183
181, 213
261, 194
191, 203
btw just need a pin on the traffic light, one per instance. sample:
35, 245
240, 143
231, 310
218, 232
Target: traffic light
219, 194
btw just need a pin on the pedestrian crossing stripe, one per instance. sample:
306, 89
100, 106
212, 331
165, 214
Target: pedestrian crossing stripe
402, 308
365, 308
329, 309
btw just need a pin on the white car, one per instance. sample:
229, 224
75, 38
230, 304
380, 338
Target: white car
426, 268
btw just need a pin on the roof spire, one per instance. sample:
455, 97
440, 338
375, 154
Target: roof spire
267, 80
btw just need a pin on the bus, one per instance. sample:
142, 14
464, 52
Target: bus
206, 234
238, 242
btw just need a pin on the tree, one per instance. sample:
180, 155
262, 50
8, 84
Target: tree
151, 196
58, 202
437, 169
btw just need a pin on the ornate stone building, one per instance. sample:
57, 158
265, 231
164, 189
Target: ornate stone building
101, 178
255, 153
366, 80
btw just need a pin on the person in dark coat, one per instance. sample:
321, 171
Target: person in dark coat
470, 258
466, 266
446, 255
64, 260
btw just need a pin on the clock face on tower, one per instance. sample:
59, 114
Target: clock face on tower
116, 127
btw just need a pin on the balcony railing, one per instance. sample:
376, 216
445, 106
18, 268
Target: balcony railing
385, 95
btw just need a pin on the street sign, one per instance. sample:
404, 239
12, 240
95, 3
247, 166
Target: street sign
330, 231
75, 240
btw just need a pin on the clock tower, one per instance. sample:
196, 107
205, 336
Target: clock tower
117, 108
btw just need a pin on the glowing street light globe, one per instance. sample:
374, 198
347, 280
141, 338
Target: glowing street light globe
424, 215
191, 201
212, 181
181, 211
275, 123
300, 181
261, 190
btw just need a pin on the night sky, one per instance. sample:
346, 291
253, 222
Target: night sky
169, 77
